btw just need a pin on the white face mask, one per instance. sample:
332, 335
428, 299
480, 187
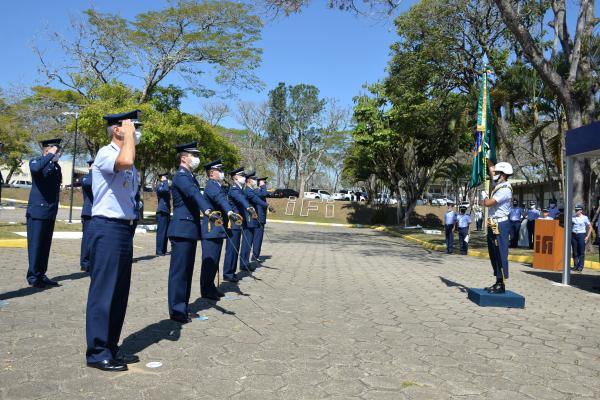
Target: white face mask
195, 161
242, 180
221, 176
138, 136
496, 177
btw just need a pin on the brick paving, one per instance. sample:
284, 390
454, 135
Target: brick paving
335, 313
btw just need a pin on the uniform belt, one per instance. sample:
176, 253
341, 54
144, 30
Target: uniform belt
501, 219
117, 220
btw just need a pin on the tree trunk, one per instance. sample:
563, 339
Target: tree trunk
300, 178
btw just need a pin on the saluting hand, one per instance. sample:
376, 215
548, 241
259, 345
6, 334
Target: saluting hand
128, 127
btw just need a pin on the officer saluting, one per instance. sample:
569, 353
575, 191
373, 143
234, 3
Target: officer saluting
240, 205
450, 219
86, 218
163, 213
46, 178
262, 192
213, 231
184, 231
115, 186
498, 224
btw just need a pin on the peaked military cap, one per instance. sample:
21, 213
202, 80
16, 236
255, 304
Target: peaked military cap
90, 162
113, 119
51, 142
544, 209
553, 201
163, 174
216, 164
251, 175
238, 171
579, 207
262, 179
187, 147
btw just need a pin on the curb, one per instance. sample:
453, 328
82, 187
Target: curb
14, 243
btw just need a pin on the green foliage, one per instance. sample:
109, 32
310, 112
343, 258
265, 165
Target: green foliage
14, 136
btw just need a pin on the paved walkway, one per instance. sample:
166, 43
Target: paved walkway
335, 313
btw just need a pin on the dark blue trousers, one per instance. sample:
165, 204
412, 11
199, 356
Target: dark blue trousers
232, 249
162, 224
110, 260
247, 243
449, 238
462, 234
39, 240
257, 240
498, 249
515, 227
211, 254
578, 250
84, 257
181, 271
530, 232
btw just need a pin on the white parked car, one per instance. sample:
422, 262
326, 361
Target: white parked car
384, 198
442, 201
21, 184
318, 194
342, 195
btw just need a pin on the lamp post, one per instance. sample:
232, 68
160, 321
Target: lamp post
76, 115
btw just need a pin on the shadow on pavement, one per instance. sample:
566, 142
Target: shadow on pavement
450, 283
590, 283
152, 334
144, 258
27, 291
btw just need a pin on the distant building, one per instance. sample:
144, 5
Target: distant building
541, 192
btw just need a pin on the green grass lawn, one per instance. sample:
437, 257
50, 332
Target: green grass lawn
7, 230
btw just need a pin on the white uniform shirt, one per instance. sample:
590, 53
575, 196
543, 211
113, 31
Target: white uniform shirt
114, 191
450, 217
503, 196
464, 220
580, 224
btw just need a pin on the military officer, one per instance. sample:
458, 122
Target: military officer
115, 186
262, 192
580, 234
449, 224
553, 211
42, 207
163, 213
86, 218
515, 216
532, 214
463, 220
240, 205
214, 232
498, 224
184, 231
248, 253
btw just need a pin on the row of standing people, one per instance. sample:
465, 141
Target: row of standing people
110, 214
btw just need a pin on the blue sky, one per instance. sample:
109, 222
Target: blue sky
335, 51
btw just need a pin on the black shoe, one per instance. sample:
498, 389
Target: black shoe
127, 359
182, 319
219, 293
38, 284
211, 296
109, 365
498, 289
49, 282
252, 268
233, 279
245, 268
493, 287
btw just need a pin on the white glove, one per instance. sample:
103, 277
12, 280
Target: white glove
484, 195
467, 239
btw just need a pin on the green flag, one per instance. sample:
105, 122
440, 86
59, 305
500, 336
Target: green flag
485, 142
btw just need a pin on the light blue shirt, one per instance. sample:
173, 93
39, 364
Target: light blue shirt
464, 220
450, 217
114, 191
503, 196
533, 214
580, 224
515, 213
553, 212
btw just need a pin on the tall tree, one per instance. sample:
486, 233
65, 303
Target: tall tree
570, 70
277, 136
190, 37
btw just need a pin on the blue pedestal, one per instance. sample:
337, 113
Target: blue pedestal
484, 299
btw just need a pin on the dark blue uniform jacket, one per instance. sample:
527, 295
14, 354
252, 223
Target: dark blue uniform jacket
239, 205
46, 179
256, 202
188, 206
88, 196
163, 193
218, 201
